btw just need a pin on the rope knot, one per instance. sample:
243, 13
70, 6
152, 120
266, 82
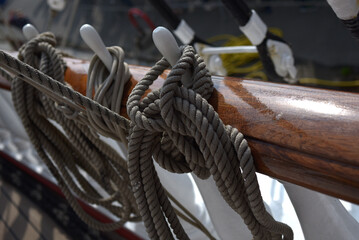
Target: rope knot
172, 90
161, 112
183, 133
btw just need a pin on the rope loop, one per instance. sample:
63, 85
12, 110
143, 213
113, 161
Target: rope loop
175, 126
181, 130
106, 88
84, 166
173, 89
155, 113
41, 53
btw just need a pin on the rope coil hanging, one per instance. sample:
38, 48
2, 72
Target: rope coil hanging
160, 116
69, 155
75, 106
107, 89
183, 133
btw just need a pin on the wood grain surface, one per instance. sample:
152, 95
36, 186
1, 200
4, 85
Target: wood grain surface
302, 135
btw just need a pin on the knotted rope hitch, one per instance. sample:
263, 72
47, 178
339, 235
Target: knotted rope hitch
183, 133
175, 126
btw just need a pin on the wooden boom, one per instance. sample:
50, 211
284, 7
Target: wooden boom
302, 135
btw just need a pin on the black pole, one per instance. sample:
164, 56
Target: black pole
239, 10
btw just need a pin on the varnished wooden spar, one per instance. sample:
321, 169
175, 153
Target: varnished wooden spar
298, 134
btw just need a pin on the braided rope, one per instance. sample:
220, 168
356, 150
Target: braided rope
175, 117
183, 133
67, 155
59, 91
54, 90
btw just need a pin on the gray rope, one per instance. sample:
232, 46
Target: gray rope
155, 132
77, 114
108, 89
66, 155
175, 117
59, 91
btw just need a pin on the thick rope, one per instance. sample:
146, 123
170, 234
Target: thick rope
175, 117
81, 115
149, 129
59, 91
69, 155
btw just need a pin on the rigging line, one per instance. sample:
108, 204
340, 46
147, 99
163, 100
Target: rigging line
195, 222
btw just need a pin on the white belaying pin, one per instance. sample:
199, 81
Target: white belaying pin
29, 31
167, 45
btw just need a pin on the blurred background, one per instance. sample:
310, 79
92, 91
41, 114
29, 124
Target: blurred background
324, 50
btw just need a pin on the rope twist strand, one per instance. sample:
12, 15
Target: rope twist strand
180, 118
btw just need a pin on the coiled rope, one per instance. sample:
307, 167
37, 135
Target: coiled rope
77, 150
107, 89
73, 105
183, 133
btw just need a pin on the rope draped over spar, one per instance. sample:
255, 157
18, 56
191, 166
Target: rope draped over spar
183, 133
75, 106
76, 150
